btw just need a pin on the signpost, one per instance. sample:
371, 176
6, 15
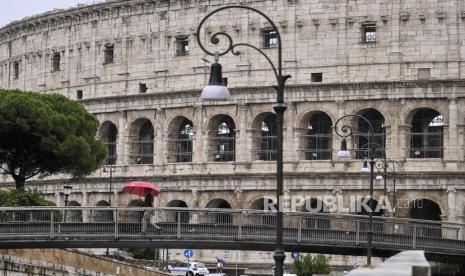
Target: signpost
188, 253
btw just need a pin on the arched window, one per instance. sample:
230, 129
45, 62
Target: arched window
426, 137
109, 136
177, 216
219, 217
361, 138
184, 142
103, 215
425, 209
267, 146
318, 137
265, 204
146, 143
223, 138
73, 215
142, 134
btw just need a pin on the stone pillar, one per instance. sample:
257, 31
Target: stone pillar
451, 203
290, 147
122, 142
242, 149
340, 111
86, 216
452, 147
159, 137
392, 132
197, 144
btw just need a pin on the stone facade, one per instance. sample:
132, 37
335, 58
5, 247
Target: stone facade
126, 62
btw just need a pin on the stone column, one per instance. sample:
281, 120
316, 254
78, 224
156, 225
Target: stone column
340, 111
393, 151
159, 137
452, 147
197, 144
122, 148
290, 147
85, 202
242, 151
451, 203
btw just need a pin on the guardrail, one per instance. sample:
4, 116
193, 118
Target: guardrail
225, 225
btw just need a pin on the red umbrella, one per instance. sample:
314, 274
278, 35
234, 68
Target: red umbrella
138, 188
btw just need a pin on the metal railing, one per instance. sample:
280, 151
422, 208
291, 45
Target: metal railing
99, 224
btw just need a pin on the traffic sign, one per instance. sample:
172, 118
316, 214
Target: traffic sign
188, 253
295, 255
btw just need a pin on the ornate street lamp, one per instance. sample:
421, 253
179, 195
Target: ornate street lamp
386, 164
347, 131
105, 170
67, 191
217, 91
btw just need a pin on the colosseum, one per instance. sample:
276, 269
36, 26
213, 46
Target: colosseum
136, 65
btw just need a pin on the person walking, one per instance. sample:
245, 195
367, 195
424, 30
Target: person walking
146, 219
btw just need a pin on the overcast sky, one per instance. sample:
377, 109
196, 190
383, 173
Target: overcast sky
11, 10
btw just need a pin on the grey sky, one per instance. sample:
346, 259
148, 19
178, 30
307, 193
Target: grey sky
11, 10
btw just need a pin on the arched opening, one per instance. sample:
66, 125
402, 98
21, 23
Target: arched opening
109, 136
313, 206
142, 142
427, 134
218, 217
363, 206
317, 139
362, 136
266, 138
73, 215
222, 138
181, 134
133, 216
178, 216
103, 215
265, 204
425, 209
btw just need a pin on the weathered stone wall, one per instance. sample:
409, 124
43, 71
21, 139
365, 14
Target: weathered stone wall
416, 62
66, 262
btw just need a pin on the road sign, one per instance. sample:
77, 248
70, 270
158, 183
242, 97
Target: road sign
188, 253
295, 255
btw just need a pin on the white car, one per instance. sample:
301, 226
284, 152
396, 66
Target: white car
188, 269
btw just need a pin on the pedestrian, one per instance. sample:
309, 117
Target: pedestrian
219, 266
148, 214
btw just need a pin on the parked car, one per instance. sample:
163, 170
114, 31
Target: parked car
188, 269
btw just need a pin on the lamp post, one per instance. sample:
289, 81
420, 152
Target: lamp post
386, 164
217, 91
66, 191
111, 177
347, 131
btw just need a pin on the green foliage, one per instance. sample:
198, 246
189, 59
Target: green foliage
308, 265
11, 198
46, 134
143, 253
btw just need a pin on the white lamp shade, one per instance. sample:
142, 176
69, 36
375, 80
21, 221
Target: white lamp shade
365, 170
215, 93
343, 154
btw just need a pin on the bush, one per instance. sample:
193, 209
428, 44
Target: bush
12, 198
308, 265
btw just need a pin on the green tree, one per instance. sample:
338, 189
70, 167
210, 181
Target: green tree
309, 264
45, 135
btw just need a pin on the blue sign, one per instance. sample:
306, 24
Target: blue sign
295, 255
188, 253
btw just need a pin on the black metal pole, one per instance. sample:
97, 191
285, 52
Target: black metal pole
111, 188
279, 108
370, 213
395, 195
279, 255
